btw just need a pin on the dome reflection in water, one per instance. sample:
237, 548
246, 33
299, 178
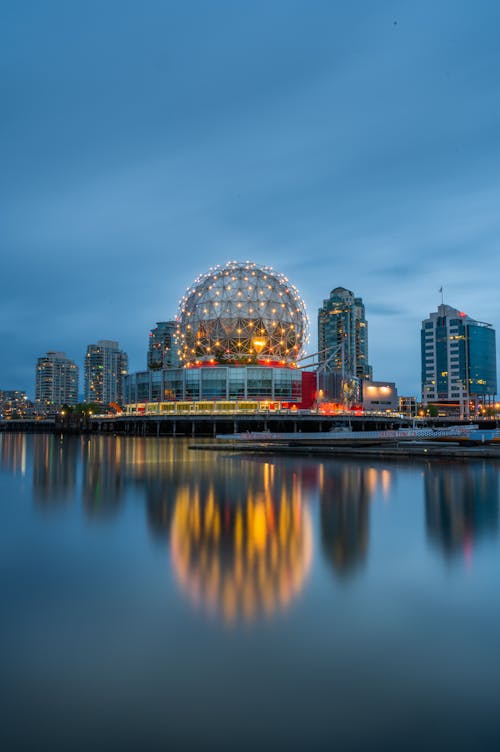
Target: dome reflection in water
239, 560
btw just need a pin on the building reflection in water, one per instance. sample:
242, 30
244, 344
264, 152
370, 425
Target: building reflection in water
241, 541
461, 505
160, 468
55, 461
345, 494
102, 475
13, 452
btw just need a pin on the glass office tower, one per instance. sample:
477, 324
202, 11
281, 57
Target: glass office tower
342, 324
458, 360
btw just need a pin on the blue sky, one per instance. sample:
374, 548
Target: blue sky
353, 144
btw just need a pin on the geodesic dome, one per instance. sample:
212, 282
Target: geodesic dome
241, 312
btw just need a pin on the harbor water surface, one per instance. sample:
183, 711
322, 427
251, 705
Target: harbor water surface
155, 597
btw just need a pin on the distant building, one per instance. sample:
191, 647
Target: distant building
105, 369
458, 360
379, 396
408, 406
162, 351
14, 403
342, 325
56, 382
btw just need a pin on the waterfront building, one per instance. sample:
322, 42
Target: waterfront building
14, 403
105, 369
408, 406
343, 334
379, 396
56, 382
202, 384
162, 350
458, 360
240, 330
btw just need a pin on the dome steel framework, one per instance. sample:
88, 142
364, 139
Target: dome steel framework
241, 313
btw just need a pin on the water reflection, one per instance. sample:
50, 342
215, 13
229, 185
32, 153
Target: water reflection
13, 453
344, 507
240, 533
241, 559
344, 491
239, 530
461, 505
102, 476
55, 464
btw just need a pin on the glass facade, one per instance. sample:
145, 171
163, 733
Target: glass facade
192, 382
482, 360
441, 359
156, 387
173, 384
143, 390
236, 383
259, 383
215, 383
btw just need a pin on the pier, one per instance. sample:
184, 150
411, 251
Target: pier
210, 425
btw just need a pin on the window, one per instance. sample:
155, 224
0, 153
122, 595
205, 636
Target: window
236, 382
213, 383
259, 383
192, 384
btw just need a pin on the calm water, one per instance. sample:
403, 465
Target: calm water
154, 597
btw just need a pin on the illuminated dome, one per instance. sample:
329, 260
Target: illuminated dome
241, 313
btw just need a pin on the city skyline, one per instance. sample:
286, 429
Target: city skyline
82, 362
344, 147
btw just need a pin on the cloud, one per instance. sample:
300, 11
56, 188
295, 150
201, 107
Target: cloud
140, 150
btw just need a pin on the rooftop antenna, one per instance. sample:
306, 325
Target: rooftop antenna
442, 294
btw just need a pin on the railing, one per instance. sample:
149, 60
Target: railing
217, 407
243, 407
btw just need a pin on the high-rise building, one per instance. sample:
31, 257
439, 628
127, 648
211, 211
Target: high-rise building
105, 369
458, 359
343, 334
56, 382
162, 351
